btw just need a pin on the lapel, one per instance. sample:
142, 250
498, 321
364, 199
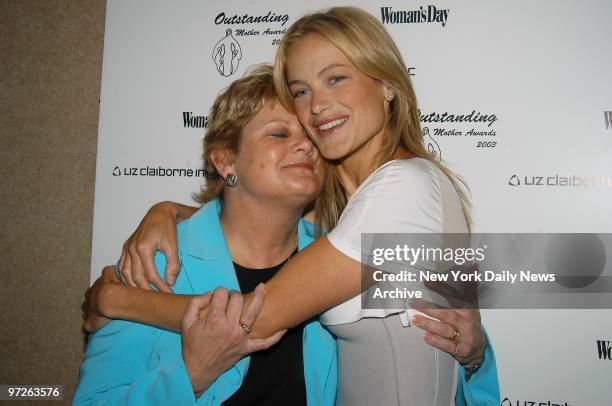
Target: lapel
207, 264
206, 259
305, 234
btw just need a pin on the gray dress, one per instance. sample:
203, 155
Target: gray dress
381, 360
383, 363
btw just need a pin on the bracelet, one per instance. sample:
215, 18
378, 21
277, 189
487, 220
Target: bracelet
472, 367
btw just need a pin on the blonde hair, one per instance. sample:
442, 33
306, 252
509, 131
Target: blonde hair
366, 43
233, 108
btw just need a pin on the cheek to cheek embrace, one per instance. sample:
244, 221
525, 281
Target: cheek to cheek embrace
276, 159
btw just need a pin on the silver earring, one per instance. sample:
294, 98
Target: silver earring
231, 180
390, 96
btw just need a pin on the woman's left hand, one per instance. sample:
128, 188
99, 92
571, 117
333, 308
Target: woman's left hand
469, 346
93, 316
457, 330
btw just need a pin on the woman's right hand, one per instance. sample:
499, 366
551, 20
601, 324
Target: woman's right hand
212, 344
156, 232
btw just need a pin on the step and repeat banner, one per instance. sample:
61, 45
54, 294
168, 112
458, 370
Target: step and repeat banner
516, 97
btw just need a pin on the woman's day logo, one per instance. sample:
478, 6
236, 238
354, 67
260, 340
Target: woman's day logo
227, 54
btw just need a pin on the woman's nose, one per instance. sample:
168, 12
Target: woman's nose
302, 142
319, 102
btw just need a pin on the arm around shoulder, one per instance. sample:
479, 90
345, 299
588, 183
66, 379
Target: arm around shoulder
155, 308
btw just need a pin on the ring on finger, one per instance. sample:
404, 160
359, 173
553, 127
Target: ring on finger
118, 272
457, 340
245, 327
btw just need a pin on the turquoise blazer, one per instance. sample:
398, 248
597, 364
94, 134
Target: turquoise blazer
132, 363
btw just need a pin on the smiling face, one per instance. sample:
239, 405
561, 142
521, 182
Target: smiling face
275, 159
341, 108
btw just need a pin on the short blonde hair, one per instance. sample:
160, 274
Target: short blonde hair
366, 43
233, 108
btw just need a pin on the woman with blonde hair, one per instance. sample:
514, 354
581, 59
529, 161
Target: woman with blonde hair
344, 77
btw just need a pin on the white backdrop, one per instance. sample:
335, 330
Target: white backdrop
539, 71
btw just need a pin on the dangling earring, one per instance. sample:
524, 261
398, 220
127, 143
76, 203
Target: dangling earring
231, 180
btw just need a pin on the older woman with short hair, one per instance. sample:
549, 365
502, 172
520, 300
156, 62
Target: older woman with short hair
262, 171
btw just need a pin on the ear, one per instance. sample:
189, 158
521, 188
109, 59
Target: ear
388, 92
223, 159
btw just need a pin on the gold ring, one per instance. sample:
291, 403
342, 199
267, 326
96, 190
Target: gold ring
246, 328
457, 341
457, 337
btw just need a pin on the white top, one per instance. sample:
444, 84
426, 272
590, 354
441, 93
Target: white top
402, 196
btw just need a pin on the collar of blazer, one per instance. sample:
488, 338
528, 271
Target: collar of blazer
203, 249
204, 235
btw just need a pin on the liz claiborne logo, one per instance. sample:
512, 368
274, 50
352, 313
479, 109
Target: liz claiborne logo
608, 117
431, 14
604, 349
508, 402
514, 181
570, 180
191, 121
158, 171
227, 54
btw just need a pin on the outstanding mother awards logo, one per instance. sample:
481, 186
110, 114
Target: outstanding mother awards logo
475, 127
228, 51
227, 54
